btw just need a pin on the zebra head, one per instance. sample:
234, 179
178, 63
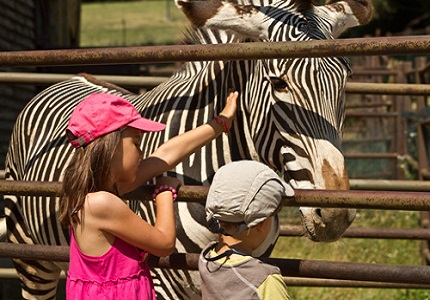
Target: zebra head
306, 95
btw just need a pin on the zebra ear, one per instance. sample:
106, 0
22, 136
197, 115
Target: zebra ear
361, 9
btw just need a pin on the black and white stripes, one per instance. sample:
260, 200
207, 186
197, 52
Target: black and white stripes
290, 117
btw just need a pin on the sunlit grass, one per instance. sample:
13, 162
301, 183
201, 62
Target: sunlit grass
382, 251
131, 23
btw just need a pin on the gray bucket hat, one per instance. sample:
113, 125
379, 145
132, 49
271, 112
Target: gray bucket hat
245, 192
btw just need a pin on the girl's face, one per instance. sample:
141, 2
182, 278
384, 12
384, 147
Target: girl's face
127, 156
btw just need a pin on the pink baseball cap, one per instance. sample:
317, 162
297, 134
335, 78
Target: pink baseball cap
100, 114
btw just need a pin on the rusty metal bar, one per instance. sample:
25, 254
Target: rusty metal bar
368, 233
234, 51
361, 199
317, 282
387, 88
321, 198
152, 81
289, 267
371, 114
51, 78
10, 274
320, 269
355, 184
390, 185
27, 188
372, 155
34, 252
353, 271
375, 72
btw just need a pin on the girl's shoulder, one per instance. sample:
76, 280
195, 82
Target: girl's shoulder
100, 197
99, 201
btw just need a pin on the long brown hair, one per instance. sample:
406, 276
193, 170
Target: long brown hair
88, 171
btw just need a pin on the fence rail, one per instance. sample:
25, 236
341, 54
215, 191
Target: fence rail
152, 81
234, 51
289, 267
416, 201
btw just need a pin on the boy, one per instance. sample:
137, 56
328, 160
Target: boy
241, 206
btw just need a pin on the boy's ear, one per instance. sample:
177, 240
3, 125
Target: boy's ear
260, 226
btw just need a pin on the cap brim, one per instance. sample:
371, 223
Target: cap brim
147, 125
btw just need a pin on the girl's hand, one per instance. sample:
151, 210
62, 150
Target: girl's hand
229, 111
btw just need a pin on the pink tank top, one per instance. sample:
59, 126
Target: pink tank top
120, 273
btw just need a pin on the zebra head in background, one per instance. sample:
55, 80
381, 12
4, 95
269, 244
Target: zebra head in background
290, 117
298, 130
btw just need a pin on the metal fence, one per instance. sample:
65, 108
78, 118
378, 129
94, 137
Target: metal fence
353, 274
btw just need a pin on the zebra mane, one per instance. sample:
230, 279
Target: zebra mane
303, 5
204, 35
96, 81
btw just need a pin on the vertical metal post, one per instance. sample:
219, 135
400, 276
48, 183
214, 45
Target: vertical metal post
168, 16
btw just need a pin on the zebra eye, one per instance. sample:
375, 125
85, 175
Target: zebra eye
278, 84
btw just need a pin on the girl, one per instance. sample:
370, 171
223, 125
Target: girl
105, 235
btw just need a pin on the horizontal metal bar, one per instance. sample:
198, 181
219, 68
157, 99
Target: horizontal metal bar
289, 267
372, 155
352, 271
51, 78
313, 198
352, 114
375, 72
390, 185
368, 233
152, 81
317, 282
387, 88
366, 184
233, 51
10, 274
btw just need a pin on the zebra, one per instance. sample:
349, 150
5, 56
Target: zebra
290, 117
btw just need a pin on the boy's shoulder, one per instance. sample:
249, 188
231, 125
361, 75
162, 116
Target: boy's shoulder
246, 263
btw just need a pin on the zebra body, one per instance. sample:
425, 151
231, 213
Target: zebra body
290, 116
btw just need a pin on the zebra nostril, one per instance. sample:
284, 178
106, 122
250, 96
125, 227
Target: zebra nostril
182, 3
318, 212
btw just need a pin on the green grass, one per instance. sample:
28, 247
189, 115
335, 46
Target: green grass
143, 23
406, 252
131, 24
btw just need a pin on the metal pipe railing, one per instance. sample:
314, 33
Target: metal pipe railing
288, 267
10, 274
390, 185
315, 198
367, 233
233, 51
152, 81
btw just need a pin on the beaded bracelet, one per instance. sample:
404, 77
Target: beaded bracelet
164, 188
220, 120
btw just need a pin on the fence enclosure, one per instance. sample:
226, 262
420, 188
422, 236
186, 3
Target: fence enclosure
369, 115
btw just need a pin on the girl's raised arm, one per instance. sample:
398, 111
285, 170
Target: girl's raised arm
172, 152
